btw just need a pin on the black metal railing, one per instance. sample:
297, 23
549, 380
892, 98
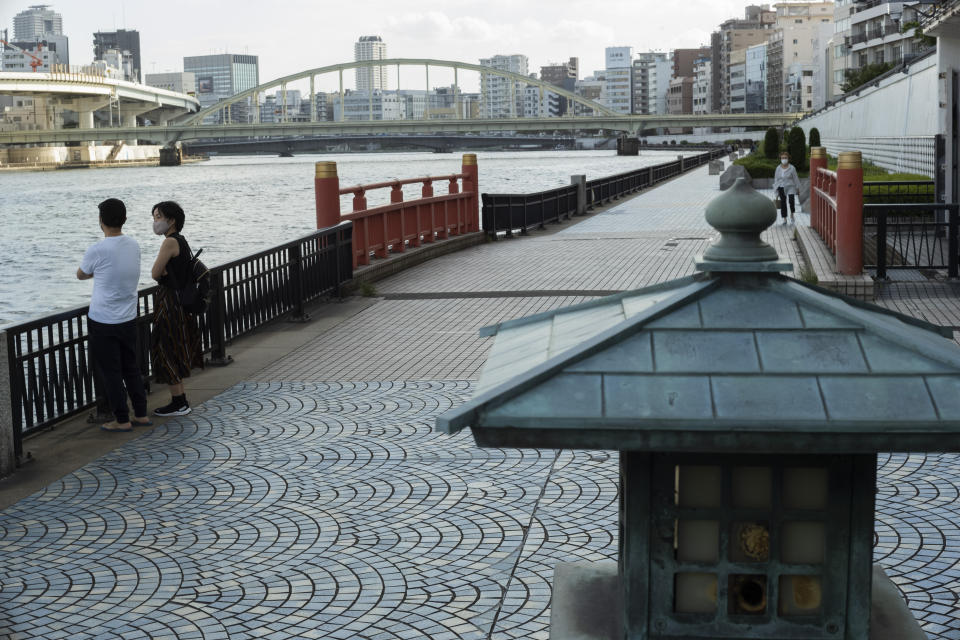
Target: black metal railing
49, 365
511, 212
911, 236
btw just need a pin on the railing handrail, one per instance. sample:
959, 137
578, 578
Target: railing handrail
908, 206
394, 206
363, 188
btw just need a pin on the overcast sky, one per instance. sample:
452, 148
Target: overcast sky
295, 35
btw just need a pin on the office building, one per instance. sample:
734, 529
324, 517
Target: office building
680, 95
737, 66
127, 42
619, 79
221, 76
37, 22
502, 97
181, 82
370, 48
378, 105
684, 59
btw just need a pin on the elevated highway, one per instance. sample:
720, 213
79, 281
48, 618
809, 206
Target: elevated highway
87, 94
313, 144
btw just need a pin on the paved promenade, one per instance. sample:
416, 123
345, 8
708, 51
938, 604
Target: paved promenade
313, 499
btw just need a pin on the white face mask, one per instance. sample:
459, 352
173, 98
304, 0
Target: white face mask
160, 227
784, 161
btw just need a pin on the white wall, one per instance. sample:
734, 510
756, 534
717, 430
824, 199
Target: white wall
905, 104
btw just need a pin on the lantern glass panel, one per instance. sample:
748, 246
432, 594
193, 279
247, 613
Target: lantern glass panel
805, 488
752, 487
699, 486
800, 596
698, 541
695, 593
802, 543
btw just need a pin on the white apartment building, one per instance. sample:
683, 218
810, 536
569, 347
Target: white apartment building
618, 94
361, 105
181, 82
651, 72
737, 67
540, 103
799, 26
370, 48
502, 97
875, 35
702, 90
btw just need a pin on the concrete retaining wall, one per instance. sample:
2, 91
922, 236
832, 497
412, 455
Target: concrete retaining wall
14, 156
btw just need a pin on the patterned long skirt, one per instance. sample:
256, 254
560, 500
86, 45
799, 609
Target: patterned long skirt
176, 346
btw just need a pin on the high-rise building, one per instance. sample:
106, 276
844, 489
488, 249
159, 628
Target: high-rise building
370, 48
502, 97
36, 22
734, 35
563, 75
651, 74
737, 67
875, 35
220, 76
38, 30
755, 75
619, 89
702, 92
683, 60
120, 40
801, 24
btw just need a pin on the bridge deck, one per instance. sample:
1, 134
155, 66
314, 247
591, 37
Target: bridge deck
313, 500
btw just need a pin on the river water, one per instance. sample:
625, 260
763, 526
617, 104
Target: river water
235, 206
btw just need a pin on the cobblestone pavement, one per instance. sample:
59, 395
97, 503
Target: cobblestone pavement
315, 501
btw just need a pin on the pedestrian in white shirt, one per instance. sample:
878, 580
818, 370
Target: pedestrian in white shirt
114, 265
786, 183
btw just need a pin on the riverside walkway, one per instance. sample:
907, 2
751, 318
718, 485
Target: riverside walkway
313, 500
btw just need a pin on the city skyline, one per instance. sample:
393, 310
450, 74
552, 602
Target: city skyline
545, 32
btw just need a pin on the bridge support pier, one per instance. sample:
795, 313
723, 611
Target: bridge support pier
171, 156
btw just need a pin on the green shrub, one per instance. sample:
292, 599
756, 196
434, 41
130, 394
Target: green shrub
814, 137
797, 146
771, 143
759, 166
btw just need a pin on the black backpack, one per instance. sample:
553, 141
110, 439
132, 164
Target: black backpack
194, 293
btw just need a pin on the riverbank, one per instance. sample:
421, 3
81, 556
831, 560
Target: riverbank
41, 159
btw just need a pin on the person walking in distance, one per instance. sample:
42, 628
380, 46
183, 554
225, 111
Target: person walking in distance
176, 344
114, 265
786, 183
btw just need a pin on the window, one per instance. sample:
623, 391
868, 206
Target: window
794, 41
799, 20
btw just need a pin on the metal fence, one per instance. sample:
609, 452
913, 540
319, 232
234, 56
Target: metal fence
911, 236
512, 212
49, 361
916, 154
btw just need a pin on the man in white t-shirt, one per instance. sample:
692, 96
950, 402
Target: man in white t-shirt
114, 265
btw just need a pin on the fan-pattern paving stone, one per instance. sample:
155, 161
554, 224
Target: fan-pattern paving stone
315, 501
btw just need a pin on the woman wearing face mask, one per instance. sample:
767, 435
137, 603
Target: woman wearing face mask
786, 182
176, 344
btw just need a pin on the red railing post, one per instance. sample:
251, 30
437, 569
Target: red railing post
396, 192
427, 191
359, 200
326, 186
470, 184
818, 159
849, 213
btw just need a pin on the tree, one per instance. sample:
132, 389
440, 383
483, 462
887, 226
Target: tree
814, 137
771, 143
797, 146
858, 77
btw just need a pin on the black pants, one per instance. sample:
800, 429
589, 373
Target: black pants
783, 202
115, 356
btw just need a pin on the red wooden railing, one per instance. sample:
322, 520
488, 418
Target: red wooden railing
836, 207
401, 224
823, 206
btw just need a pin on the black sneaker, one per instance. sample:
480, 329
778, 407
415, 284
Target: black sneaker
173, 409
